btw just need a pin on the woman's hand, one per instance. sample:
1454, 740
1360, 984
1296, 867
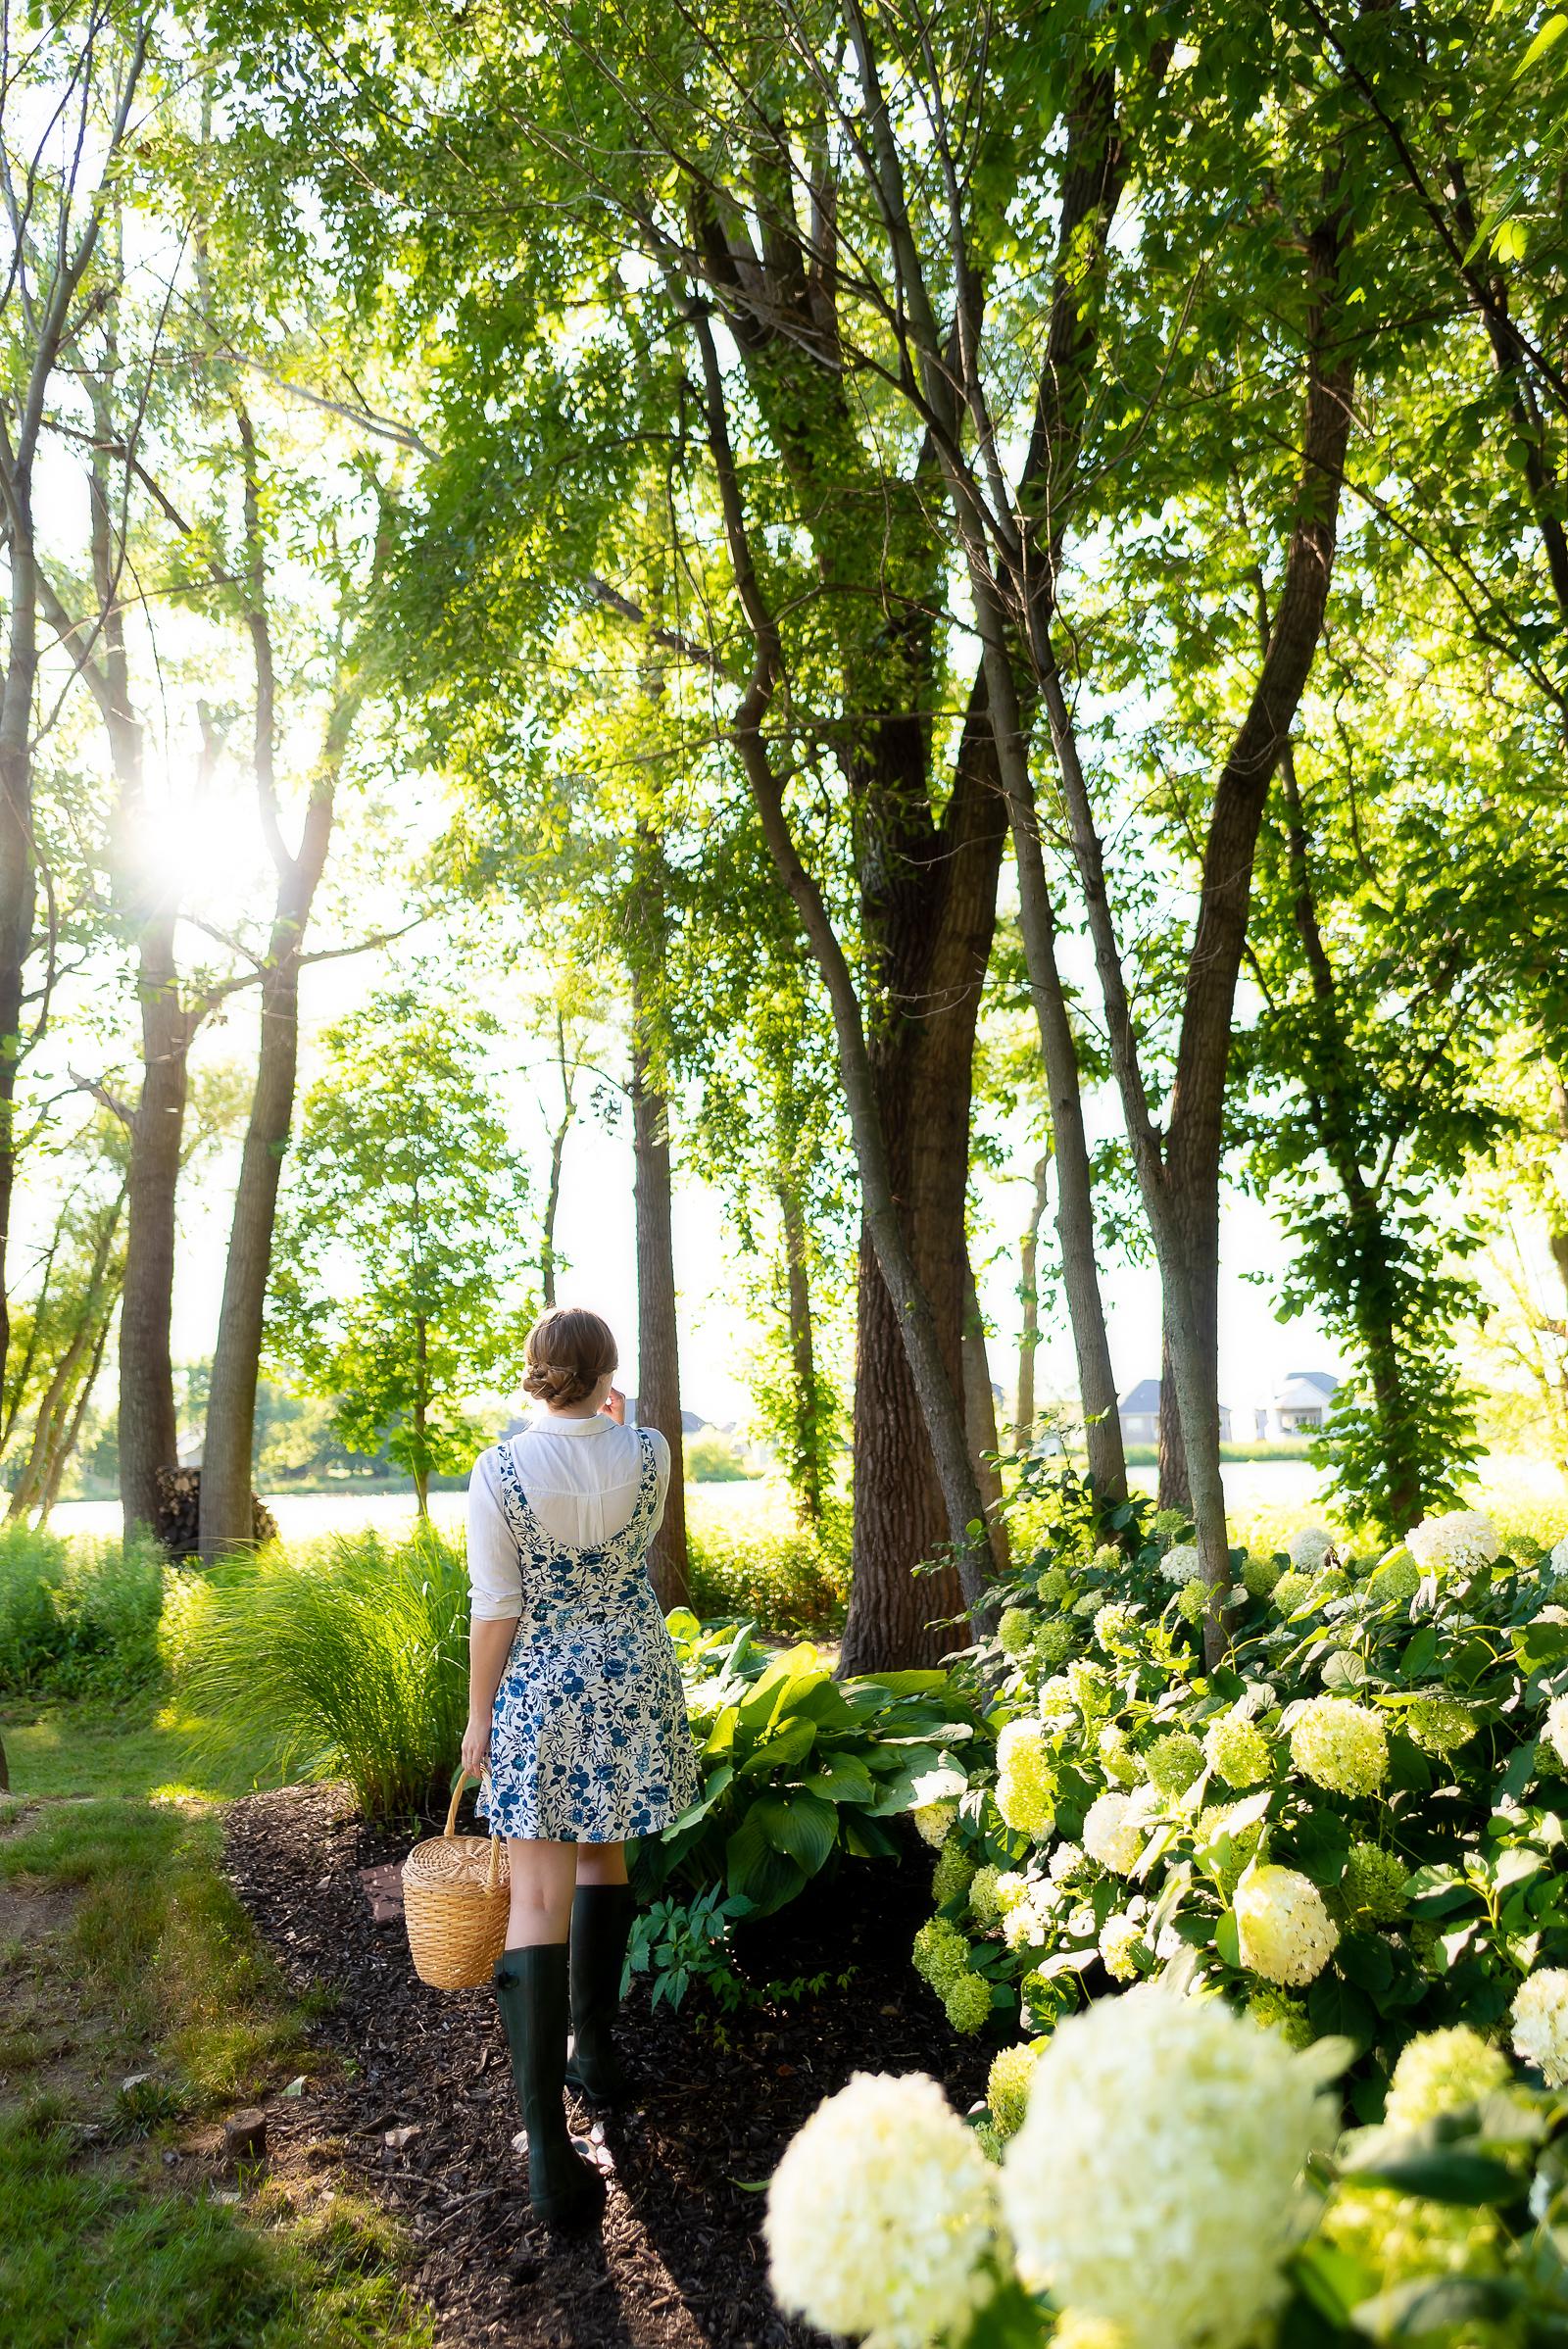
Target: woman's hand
615, 1406
476, 1745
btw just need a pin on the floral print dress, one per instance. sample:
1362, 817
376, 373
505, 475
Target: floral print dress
589, 1741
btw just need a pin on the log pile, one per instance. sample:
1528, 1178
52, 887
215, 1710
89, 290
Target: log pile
179, 1500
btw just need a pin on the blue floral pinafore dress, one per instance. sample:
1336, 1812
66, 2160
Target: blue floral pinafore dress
589, 1741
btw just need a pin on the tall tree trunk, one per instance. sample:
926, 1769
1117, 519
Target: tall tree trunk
226, 1519
1025, 1410
806, 1480
558, 1152
932, 915
56, 1410
980, 1414
18, 862
65, 1451
148, 1431
908, 1337
657, 1336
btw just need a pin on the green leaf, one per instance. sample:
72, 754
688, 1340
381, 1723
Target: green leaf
789, 1743
1430, 2305
844, 1778
1547, 37
1009, 2320
1226, 1940
1439, 2172
800, 1825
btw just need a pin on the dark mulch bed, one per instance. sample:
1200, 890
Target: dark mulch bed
679, 2261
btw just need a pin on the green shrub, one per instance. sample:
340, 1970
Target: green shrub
346, 1659
785, 1583
799, 1767
713, 1460
78, 1618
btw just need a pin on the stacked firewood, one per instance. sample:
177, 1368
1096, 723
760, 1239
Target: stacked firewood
179, 1500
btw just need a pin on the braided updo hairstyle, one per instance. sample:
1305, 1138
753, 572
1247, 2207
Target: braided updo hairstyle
569, 1351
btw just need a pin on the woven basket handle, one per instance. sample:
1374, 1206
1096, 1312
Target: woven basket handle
492, 1874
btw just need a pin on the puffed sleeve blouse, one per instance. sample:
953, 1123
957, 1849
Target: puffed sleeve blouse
580, 1477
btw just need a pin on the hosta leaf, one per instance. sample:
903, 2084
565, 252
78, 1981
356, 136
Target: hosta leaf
844, 1778
800, 1825
1431, 2305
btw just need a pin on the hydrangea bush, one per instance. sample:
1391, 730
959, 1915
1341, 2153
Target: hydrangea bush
1172, 2181
1350, 1829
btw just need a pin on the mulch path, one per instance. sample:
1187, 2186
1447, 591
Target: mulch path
679, 2262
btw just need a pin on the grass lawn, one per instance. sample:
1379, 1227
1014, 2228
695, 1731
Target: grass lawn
142, 1749
138, 2009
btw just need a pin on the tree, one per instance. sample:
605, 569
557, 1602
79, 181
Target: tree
71, 90
403, 1242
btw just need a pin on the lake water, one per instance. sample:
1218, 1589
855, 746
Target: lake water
1261, 1490
308, 1516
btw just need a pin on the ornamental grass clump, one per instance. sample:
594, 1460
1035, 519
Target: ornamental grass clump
1154, 2182
882, 2215
344, 1660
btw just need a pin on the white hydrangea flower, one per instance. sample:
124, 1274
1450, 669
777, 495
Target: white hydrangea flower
1113, 1832
1458, 1541
1153, 2183
934, 1819
1066, 1862
1340, 1745
1119, 1937
1075, 2329
1026, 1783
1236, 1748
1011, 1889
1057, 1710
882, 2215
1311, 1549
1283, 1927
1182, 1563
1440, 2072
1541, 2024
1555, 1730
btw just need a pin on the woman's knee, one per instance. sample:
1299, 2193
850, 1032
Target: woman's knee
600, 1862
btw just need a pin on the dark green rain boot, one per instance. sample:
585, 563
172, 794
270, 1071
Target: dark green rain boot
531, 1991
601, 1927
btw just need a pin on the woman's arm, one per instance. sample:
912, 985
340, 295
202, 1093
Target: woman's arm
489, 1645
495, 1577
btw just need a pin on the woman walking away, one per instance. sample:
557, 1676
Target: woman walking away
577, 1719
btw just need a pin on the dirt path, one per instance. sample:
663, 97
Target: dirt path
679, 2263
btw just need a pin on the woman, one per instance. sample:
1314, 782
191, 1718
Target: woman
577, 1718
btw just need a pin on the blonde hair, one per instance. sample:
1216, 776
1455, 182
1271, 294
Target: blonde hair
567, 1353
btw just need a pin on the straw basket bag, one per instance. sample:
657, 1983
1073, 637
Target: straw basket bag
456, 1893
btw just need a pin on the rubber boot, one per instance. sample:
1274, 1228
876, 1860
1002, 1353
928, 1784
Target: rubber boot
601, 1927
531, 1991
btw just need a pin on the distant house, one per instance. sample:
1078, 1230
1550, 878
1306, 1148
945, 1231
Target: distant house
1139, 1413
1301, 1406
692, 1422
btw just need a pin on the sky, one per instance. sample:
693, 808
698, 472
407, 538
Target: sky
597, 1238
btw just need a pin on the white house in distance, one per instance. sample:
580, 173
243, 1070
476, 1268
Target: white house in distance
1139, 1413
1299, 1407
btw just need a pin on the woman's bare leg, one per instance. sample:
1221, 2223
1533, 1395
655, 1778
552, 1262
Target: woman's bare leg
543, 1877
600, 1862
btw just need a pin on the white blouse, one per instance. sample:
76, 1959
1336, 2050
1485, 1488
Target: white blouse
580, 1477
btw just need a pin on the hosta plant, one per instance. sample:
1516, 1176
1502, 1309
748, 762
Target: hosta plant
800, 1768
